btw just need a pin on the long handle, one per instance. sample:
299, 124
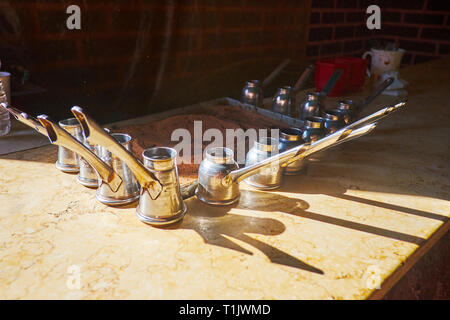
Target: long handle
316, 148
96, 135
25, 118
61, 137
275, 72
378, 115
331, 82
240, 174
303, 78
375, 93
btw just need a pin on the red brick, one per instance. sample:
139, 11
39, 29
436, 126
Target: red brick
357, 16
391, 16
314, 18
334, 48
346, 3
322, 3
320, 33
343, 32
312, 50
444, 48
395, 4
439, 5
56, 50
333, 17
437, 19
235, 19
436, 33
222, 40
417, 46
350, 46
261, 38
396, 30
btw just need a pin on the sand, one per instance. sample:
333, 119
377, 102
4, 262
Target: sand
222, 117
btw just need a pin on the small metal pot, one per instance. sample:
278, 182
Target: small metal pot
88, 176
129, 190
333, 120
217, 164
314, 129
268, 177
67, 159
282, 101
169, 207
347, 109
291, 138
311, 106
252, 93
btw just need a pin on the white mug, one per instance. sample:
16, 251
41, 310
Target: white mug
383, 61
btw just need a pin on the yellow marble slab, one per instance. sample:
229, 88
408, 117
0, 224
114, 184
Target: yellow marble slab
357, 220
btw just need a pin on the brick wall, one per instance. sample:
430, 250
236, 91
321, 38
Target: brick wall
138, 56
422, 27
141, 50
337, 27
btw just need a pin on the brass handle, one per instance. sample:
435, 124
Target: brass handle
25, 118
61, 137
96, 135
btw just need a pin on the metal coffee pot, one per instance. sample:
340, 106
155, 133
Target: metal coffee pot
68, 160
313, 129
218, 162
120, 153
347, 110
87, 175
350, 109
129, 190
291, 138
313, 105
57, 135
269, 177
252, 93
333, 120
282, 101
169, 207
310, 107
219, 175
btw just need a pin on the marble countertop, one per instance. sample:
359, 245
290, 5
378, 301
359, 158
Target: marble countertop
349, 229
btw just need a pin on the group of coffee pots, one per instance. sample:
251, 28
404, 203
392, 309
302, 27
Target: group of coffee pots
103, 160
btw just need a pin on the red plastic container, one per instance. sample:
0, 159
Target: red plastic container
358, 69
324, 70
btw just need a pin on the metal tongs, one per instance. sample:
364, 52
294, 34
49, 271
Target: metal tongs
97, 136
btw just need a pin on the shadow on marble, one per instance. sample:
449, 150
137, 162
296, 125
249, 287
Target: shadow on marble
394, 207
265, 201
214, 230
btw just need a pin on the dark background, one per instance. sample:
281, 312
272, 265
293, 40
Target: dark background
136, 57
